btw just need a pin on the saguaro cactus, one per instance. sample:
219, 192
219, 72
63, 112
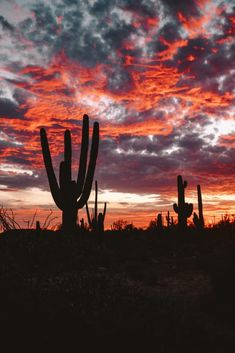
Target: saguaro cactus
159, 222
199, 220
95, 220
70, 195
183, 209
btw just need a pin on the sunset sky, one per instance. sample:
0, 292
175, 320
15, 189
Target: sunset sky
158, 75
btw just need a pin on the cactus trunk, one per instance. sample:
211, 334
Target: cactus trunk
69, 219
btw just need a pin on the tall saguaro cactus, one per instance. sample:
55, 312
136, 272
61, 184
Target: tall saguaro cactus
183, 208
95, 220
70, 195
199, 220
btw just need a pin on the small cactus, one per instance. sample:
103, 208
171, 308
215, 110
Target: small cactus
38, 226
95, 220
183, 209
82, 224
169, 220
159, 222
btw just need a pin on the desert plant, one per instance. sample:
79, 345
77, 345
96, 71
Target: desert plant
129, 227
198, 220
38, 226
119, 225
183, 209
152, 225
159, 223
169, 220
95, 220
226, 222
49, 219
70, 195
7, 220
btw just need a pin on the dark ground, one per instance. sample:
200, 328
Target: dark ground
162, 294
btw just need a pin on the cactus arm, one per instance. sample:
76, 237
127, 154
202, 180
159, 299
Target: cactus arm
199, 195
55, 191
67, 157
176, 208
88, 216
83, 155
91, 168
188, 209
104, 212
96, 200
200, 207
181, 186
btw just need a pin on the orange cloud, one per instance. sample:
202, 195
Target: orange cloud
172, 49
144, 128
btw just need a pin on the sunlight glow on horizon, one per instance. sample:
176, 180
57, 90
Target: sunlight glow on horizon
125, 206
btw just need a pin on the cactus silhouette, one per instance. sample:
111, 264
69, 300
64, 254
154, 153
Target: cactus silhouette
95, 220
82, 223
38, 226
70, 195
159, 223
199, 220
169, 220
183, 209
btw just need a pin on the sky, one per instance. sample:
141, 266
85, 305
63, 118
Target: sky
158, 76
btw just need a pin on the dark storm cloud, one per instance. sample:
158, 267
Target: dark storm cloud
88, 32
21, 181
18, 160
170, 31
210, 67
85, 33
5, 24
187, 6
142, 7
43, 29
9, 109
